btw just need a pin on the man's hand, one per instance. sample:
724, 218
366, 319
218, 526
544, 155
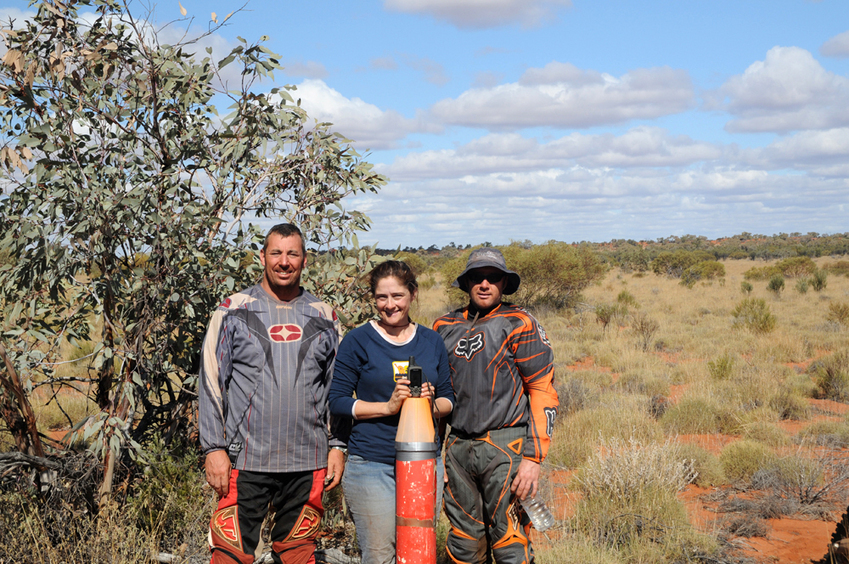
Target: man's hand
527, 479
217, 467
335, 467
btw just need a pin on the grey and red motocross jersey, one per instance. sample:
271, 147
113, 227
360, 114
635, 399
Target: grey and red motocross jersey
264, 378
502, 369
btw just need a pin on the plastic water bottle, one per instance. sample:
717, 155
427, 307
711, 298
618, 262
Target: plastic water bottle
538, 512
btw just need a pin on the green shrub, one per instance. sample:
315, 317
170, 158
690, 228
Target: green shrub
761, 273
833, 434
798, 478
629, 502
626, 299
639, 383
692, 415
721, 368
754, 314
819, 280
802, 285
708, 469
674, 263
644, 327
776, 284
571, 444
838, 312
416, 263
166, 496
606, 313
789, 403
797, 266
838, 268
746, 287
741, 459
705, 270
765, 433
739, 255
831, 375
553, 274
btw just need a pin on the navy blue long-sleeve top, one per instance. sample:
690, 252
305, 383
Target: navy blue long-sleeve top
369, 365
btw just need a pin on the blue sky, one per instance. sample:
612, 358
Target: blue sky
500, 120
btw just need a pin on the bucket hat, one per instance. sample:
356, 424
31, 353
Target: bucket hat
487, 256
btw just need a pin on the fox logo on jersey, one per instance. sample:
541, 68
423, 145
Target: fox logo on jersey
467, 348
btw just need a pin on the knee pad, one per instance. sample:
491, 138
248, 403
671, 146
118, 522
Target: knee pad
225, 538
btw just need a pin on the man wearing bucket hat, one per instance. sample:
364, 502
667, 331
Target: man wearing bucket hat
502, 369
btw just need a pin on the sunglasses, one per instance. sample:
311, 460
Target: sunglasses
478, 277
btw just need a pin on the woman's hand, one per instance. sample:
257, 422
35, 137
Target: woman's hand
399, 394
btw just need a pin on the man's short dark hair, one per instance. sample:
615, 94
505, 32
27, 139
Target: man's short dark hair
285, 230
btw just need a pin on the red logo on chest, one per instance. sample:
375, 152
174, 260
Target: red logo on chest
285, 333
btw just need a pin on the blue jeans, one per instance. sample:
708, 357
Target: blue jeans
370, 494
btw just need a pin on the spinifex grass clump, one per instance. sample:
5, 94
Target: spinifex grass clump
754, 315
831, 375
630, 501
742, 459
577, 436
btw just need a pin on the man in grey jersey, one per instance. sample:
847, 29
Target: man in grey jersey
265, 373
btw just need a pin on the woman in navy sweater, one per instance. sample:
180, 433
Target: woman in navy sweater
370, 385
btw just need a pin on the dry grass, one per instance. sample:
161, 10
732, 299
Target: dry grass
651, 384
720, 378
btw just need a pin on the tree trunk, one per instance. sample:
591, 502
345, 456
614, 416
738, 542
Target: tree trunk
19, 418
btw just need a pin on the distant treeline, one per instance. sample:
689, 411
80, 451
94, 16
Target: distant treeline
639, 255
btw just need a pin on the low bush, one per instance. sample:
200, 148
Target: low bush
838, 312
605, 314
627, 299
702, 271
640, 383
741, 459
644, 327
794, 267
721, 368
834, 434
754, 314
629, 501
802, 285
761, 273
776, 284
674, 263
791, 403
692, 415
708, 469
765, 433
746, 287
802, 478
576, 437
819, 280
831, 375
838, 268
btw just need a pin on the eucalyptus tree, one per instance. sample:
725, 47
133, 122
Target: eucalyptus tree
130, 206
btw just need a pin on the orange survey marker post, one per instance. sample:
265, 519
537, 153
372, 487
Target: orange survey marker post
415, 477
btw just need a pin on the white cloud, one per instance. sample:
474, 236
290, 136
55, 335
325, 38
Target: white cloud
308, 69
822, 153
639, 148
601, 204
837, 46
789, 90
479, 14
434, 73
561, 95
369, 126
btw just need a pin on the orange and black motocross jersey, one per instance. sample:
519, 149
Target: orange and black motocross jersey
502, 369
